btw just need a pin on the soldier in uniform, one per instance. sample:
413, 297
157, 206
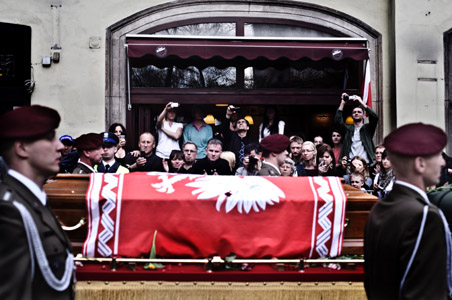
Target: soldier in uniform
35, 253
274, 152
407, 241
89, 147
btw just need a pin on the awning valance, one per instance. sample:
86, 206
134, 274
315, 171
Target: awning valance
230, 48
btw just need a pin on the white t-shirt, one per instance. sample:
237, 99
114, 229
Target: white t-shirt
281, 125
357, 148
167, 144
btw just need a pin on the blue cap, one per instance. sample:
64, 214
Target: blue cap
110, 138
66, 138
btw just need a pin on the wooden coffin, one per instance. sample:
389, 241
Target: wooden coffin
66, 195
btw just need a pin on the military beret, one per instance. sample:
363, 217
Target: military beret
109, 138
89, 141
28, 122
275, 143
416, 139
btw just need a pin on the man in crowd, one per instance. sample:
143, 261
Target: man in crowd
274, 152
147, 160
318, 140
190, 153
89, 147
251, 162
70, 154
296, 143
212, 164
198, 132
109, 164
357, 137
235, 138
35, 253
407, 239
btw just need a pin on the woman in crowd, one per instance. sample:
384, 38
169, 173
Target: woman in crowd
384, 180
327, 161
272, 124
336, 138
120, 131
288, 168
309, 153
168, 131
359, 165
176, 160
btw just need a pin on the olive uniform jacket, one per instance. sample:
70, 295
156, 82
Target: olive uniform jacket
389, 240
268, 170
15, 264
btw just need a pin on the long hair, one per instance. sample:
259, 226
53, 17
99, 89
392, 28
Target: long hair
274, 127
113, 127
175, 154
366, 167
327, 148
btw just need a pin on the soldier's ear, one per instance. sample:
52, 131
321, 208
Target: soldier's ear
419, 164
21, 149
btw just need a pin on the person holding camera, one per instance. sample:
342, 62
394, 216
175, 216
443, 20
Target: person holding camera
235, 137
251, 161
357, 137
168, 131
146, 160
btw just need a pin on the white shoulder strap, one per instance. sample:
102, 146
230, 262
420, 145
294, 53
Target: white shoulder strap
416, 246
35, 245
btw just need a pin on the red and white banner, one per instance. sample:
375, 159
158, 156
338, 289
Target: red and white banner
202, 216
366, 86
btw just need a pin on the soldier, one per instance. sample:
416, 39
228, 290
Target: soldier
274, 153
407, 241
89, 147
35, 253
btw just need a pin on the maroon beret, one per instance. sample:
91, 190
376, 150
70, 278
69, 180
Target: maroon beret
89, 141
416, 139
28, 122
275, 143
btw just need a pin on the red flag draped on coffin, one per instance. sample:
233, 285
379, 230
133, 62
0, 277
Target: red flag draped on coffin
201, 216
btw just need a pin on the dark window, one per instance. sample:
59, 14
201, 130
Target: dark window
15, 65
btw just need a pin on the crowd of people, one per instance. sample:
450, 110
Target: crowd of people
228, 149
407, 239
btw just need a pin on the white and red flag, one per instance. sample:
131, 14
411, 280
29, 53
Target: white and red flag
366, 86
202, 216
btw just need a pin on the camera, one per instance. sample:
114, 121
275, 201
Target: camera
234, 108
174, 105
347, 97
252, 164
142, 154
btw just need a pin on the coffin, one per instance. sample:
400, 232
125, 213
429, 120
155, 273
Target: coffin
66, 196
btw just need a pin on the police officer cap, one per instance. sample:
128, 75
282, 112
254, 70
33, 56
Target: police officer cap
275, 143
89, 141
28, 122
416, 139
110, 139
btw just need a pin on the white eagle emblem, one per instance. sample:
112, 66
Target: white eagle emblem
241, 192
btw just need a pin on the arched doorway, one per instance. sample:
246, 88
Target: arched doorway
311, 105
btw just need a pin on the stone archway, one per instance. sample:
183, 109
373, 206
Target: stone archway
172, 14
